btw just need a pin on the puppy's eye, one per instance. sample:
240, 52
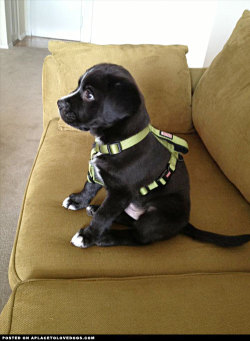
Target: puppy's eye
88, 95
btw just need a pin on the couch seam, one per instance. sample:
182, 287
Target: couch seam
24, 198
13, 305
131, 278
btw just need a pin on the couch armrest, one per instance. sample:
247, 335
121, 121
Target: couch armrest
50, 89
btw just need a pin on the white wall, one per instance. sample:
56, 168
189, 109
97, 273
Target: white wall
226, 17
6, 24
3, 26
59, 19
203, 25
156, 22
12, 22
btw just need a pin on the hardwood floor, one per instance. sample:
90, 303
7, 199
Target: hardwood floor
37, 42
33, 42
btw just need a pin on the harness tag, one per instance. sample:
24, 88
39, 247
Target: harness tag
168, 174
165, 134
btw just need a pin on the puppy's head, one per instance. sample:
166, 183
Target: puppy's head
106, 94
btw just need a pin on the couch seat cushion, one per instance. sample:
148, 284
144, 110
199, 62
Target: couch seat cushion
181, 304
43, 250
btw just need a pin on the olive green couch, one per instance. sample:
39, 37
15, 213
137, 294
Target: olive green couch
179, 286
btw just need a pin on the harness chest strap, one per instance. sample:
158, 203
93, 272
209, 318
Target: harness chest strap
165, 176
173, 143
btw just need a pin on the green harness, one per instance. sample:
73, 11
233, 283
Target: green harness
173, 143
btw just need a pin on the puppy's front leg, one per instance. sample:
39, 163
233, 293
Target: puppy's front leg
113, 206
77, 201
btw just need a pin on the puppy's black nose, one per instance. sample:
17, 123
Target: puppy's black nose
62, 104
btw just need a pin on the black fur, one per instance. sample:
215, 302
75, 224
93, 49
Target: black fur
109, 104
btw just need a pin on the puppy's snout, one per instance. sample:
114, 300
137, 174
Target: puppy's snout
62, 104
65, 111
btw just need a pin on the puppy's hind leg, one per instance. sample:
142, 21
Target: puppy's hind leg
155, 226
118, 238
151, 227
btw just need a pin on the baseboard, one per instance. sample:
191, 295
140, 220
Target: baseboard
22, 36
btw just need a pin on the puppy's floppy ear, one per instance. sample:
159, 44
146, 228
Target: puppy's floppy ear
127, 95
124, 98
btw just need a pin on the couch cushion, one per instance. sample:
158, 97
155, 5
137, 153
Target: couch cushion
161, 73
43, 250
182, 304
221, 107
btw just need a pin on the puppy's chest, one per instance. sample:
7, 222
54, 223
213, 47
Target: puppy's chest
94, 163
132, 210
100, 163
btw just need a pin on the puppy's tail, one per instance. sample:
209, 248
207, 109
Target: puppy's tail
214, 238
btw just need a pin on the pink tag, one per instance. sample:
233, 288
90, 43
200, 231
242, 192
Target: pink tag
168, 135
168, 174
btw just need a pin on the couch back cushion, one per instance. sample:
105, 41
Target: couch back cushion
161, 73
221, 107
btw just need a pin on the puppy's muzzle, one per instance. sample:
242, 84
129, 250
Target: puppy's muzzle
64, 108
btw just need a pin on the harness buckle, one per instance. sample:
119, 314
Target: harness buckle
114, 148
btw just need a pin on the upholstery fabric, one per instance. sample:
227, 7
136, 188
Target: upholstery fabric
42, 248
221, 107
161, 73
50, 89
182, 304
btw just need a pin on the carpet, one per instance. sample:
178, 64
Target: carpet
20, 132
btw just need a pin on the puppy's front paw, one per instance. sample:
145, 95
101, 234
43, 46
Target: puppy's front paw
73, 202
82, 239
91, 210
78, 241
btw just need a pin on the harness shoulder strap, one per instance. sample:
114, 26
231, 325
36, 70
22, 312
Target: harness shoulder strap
179, 144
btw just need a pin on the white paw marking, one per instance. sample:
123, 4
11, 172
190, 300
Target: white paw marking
88, 209
65, 202
77, 241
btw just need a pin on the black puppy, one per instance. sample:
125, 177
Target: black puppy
108, 103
